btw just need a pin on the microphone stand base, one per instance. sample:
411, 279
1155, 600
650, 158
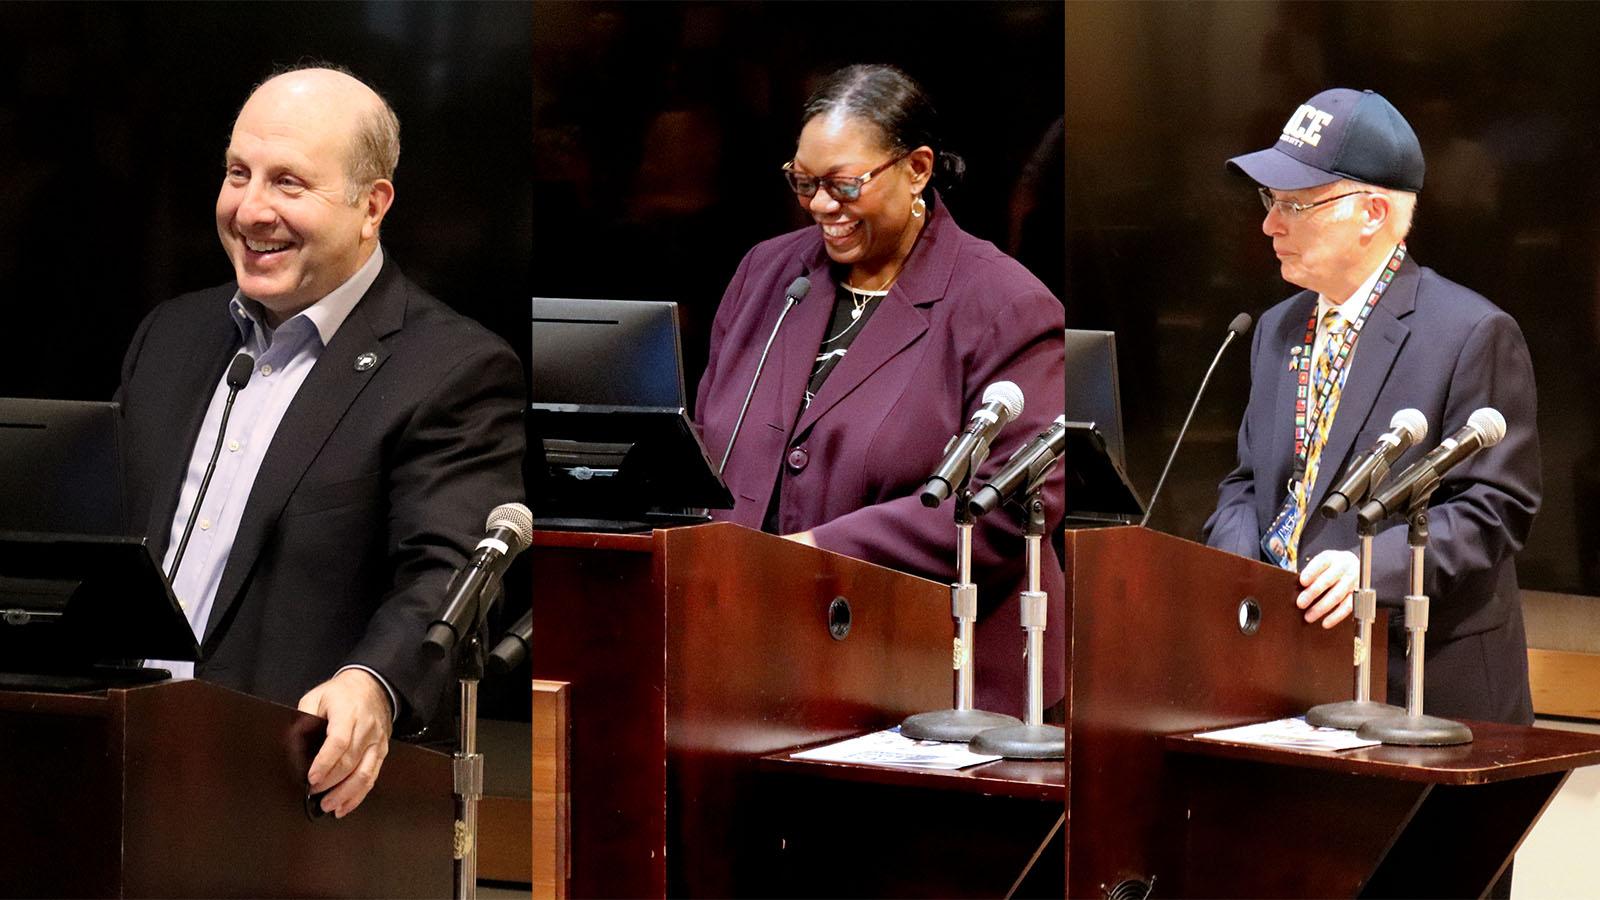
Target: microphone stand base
1350, 714
1022, 742
1416, 731
953, 725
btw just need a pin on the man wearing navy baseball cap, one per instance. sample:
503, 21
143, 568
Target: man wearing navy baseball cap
1373, 333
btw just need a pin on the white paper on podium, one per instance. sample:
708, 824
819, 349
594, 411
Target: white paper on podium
1294, 734
891, 748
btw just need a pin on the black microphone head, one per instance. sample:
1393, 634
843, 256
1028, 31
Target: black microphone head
239, 371
1240, 324
798, 289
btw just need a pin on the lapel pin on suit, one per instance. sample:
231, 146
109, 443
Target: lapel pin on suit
366, 361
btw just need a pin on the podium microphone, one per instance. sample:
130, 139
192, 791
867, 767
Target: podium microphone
510, 530
1239, 325
798, 289
238, 376
1002, 402
1022, 467
1406, 427
1484, 428
513, 648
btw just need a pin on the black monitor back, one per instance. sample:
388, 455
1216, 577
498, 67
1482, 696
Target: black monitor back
1092, 392
606, 353
611, 444
61, 467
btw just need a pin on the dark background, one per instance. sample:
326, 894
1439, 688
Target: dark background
114, 118
1165, 248
113, 122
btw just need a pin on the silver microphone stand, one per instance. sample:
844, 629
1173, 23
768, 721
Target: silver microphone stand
1031, 739
1351, 714
1412, 728
963, 721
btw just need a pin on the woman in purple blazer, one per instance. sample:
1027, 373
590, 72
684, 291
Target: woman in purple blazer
907, 320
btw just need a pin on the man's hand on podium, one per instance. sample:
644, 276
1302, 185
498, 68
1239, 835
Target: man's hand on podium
359, 724
802, 537
1329, 580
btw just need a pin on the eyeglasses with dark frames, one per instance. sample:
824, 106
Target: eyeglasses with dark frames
1290, 209
843, 188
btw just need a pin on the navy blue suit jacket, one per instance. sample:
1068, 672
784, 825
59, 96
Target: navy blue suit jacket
1438, 347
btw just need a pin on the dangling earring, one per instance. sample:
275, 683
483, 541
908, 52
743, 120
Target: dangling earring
918, 207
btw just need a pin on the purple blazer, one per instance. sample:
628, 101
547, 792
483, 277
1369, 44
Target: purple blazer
961, 316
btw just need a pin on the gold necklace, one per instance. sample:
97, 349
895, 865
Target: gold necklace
860, 297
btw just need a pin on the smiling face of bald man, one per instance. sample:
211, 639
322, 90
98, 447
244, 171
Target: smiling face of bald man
284, 212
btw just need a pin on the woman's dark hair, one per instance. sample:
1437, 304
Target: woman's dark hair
897, 104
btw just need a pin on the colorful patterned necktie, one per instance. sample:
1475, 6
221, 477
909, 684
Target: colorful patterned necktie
1282, 540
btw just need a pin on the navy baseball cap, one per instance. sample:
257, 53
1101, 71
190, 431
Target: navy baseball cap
1339, 133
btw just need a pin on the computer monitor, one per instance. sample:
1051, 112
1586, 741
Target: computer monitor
77, 585
1092, 392
62, 466
613, 446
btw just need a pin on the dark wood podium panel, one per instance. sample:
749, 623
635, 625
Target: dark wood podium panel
851, 830
1157, 649
186, 789
692, 652
1376, 822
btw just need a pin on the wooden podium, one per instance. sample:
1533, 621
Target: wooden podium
700, 657
691, 653
186, 789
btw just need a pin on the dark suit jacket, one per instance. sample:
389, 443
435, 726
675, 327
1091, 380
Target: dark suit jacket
961, 316
1433, 345
374, 490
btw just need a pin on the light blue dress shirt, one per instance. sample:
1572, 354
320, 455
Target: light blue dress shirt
284, 357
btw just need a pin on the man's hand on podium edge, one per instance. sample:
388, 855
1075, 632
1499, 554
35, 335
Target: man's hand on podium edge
359, 724
802, 537
1329, 580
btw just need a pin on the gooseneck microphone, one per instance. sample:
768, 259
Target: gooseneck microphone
1406, 427
1239, 325
510, 530
238, 376
1002, 402
1037, 455
798, 289
1484, 428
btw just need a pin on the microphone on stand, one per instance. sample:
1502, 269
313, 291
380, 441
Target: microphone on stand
510, 530
1239, 325
238, 376
1002, 402
798, 289
513, 648
1035, 456
1406, 427
1484, 428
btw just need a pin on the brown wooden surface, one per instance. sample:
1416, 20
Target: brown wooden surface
691, 656
1156, 649
1257, 829
1496, 753
894, 837
1565, 683
551, 826
505, 812
599, 624
186, 789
